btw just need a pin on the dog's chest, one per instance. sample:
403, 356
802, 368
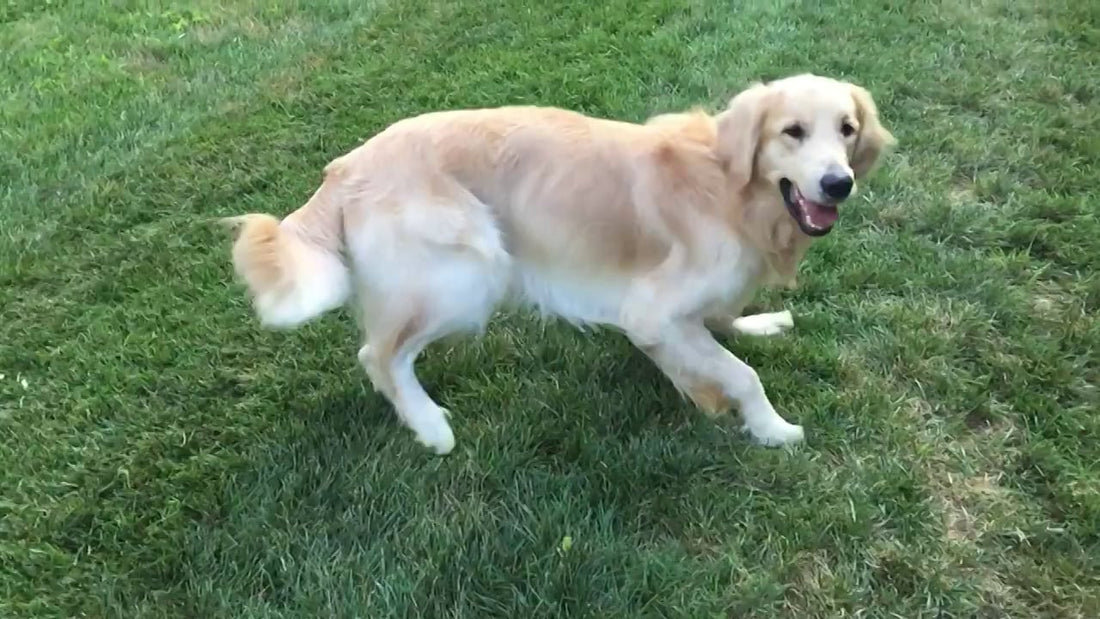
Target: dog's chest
734, 278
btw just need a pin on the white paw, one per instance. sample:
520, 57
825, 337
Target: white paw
772, 323
777, 434
438, 437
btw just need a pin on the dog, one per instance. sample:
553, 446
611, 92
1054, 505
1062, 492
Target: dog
661, 230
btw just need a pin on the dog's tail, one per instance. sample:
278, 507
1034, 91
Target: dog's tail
294, 268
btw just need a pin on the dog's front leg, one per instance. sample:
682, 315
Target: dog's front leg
759, 325
713, 377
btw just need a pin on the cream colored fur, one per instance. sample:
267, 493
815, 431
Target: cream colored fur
656, 229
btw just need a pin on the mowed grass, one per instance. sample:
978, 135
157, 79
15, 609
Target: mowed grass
161, 455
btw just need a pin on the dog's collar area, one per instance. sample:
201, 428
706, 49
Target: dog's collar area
813, 218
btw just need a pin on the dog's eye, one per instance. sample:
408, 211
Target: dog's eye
846, 129
795, 131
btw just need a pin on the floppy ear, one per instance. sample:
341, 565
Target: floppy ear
739, 133
873, 139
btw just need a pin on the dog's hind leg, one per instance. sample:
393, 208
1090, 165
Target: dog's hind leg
389, 360
427, 266
454, 291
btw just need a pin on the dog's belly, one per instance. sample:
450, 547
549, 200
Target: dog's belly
598, 298
575, 297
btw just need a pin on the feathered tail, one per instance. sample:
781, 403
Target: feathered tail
293, 268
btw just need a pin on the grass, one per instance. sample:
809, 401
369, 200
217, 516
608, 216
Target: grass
160, 455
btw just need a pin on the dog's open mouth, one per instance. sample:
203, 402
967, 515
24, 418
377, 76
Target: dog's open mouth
814, 218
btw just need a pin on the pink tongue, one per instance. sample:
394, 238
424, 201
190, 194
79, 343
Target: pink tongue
820, 216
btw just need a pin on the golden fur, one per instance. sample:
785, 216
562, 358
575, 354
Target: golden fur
655, 229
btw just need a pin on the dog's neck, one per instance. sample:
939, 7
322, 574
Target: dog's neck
774, 234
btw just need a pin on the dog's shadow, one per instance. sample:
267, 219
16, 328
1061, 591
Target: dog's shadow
610, 392
582, 436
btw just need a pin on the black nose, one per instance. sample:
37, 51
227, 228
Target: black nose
836, 186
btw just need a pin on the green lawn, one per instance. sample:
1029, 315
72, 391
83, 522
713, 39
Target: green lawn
161, 455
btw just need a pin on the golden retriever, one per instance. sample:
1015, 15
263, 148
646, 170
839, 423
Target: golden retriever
662, 230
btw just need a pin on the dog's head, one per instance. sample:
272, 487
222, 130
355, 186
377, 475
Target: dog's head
806, 137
